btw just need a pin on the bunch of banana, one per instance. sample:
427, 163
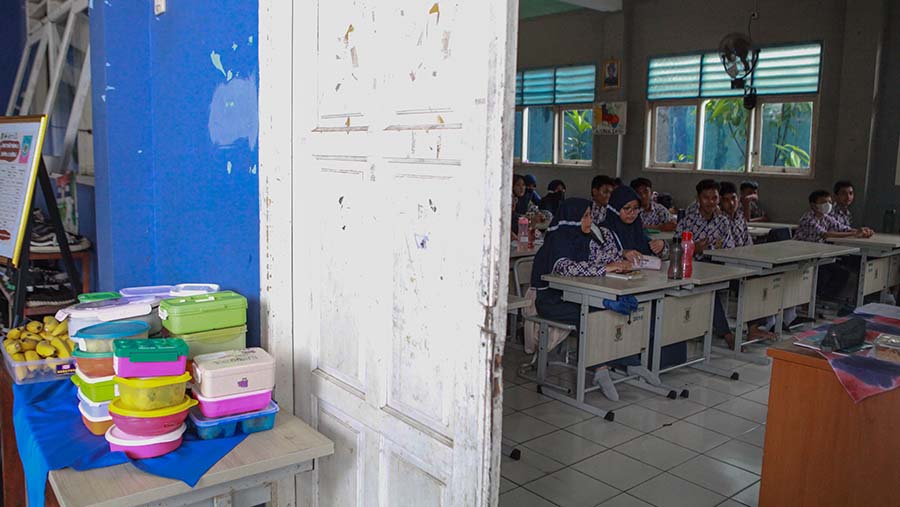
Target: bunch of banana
35, 341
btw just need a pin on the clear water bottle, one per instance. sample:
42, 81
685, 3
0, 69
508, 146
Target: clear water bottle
523, 232
676, 256
687, 260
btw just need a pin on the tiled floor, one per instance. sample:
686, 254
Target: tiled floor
702, 451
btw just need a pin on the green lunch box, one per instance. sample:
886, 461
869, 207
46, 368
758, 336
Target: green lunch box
90, 297
203, 312
217, 340
97, 390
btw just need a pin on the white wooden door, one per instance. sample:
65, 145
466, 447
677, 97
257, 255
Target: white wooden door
402, 114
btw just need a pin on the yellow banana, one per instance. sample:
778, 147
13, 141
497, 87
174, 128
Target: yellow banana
13, 347
31, 336
50, 320
30, 356
46, 334
50, 327
14, 334
45, 349
28, 344
18, 356
62, 351
60, 328
34, 326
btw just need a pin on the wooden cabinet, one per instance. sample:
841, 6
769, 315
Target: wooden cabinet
612, 335
797, 287
685, 317
762, 296
822, 449
876, 276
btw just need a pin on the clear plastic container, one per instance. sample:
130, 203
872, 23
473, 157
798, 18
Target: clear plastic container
193, 289
94, 364
156, 291
151, 393
98, 410
150, 423
887, 348
31, 372
222, 427
138, 447
218, 340
100, 337
233, 372
88, 314
96, 425
234, 404
98, 389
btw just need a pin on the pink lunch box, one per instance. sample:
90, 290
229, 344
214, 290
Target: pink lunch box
136, 447
233, 372
234, 404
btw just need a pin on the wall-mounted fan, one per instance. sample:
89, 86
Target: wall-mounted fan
739, 59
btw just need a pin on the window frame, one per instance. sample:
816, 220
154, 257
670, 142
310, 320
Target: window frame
701, 131
650, 150
560, 158
755, 166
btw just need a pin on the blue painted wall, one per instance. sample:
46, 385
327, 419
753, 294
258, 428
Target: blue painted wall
175, 145
12, 40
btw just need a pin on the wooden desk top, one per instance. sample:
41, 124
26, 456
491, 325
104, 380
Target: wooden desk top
706, 273
878, 241
780, 252
290, 442
786, 351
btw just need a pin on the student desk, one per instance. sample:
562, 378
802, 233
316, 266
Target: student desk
772, 225
879, 263
787, 273
821, 448
248, 475
515, 252
755, 232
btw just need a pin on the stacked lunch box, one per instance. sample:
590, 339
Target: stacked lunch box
208, 323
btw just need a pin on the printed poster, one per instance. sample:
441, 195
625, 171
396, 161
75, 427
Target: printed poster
20, 151
610, 118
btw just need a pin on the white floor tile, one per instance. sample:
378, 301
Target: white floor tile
558, 414
656, 451
714, 475
508, 411
761, 395
747, 409
756, 436
739, 454
755, 374
678, 409
749, 496
641, 418
564, 447
521, 497
506, 485
519, 398
617, 470
691, 436
532, 465
730, 503
628, 395
726, 363
570, 488
727, 386
705, 396
670, 491
721, 422
520, 427
624, 500
603, 432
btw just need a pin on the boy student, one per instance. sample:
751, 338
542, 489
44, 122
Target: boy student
818, 223
753, 211
556, 192
530, 192
843, 198
728, 202
653, 214
601, 188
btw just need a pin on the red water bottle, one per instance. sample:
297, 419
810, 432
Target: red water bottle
523, 232
687, 259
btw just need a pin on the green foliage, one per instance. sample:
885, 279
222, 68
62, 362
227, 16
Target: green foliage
789, 155
794, 155
579, 131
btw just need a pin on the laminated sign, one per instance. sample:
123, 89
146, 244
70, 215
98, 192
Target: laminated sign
20, 153
610, 118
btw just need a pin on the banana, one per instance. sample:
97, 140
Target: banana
14, 334
62, 351
46, 335
60, 328
50, 327
50, 320
34, 326
28, 344
30, 356
45, 349
21, 371
31, 336
12, 347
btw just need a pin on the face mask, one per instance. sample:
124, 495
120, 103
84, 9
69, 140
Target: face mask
824, 208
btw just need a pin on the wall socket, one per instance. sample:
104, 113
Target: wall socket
159, 7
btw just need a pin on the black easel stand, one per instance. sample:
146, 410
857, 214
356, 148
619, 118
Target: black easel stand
22, 277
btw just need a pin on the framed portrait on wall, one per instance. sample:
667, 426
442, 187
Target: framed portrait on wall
612, 75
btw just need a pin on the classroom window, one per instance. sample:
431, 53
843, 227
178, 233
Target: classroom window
554, 115
577, 135
695, 121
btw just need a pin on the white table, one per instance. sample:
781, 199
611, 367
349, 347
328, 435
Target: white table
879, 263
248, 475
767, 294
755, 232
772, 225
518, 252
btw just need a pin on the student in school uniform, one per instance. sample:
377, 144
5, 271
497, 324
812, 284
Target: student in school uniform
653, 214
843, 198
752, 209
818, 223
575, 250
522, 205
556, 192
601, 188
530, 189
728, 202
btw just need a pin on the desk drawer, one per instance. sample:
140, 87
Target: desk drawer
685, 317
894, 273
797, 287
876, 275
610, 335
762, 296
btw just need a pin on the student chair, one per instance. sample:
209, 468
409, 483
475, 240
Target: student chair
522, 275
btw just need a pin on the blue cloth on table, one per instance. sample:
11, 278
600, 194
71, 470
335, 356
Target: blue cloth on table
51, 436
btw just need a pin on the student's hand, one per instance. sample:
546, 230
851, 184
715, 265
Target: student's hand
657, 246
619, 266
633, 256
867, 232
750, 197
701, 245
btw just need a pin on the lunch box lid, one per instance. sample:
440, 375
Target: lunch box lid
97, 296
113, 330
158, 291
92, 418
80, 354
193, 305
202, 421
118, 437
115, 407
234, 361
152, 382
107, 309
193, 289
151, 350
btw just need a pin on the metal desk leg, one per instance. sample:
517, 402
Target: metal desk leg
811, 311
737, 352
656, 340
861, 286
707, 350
